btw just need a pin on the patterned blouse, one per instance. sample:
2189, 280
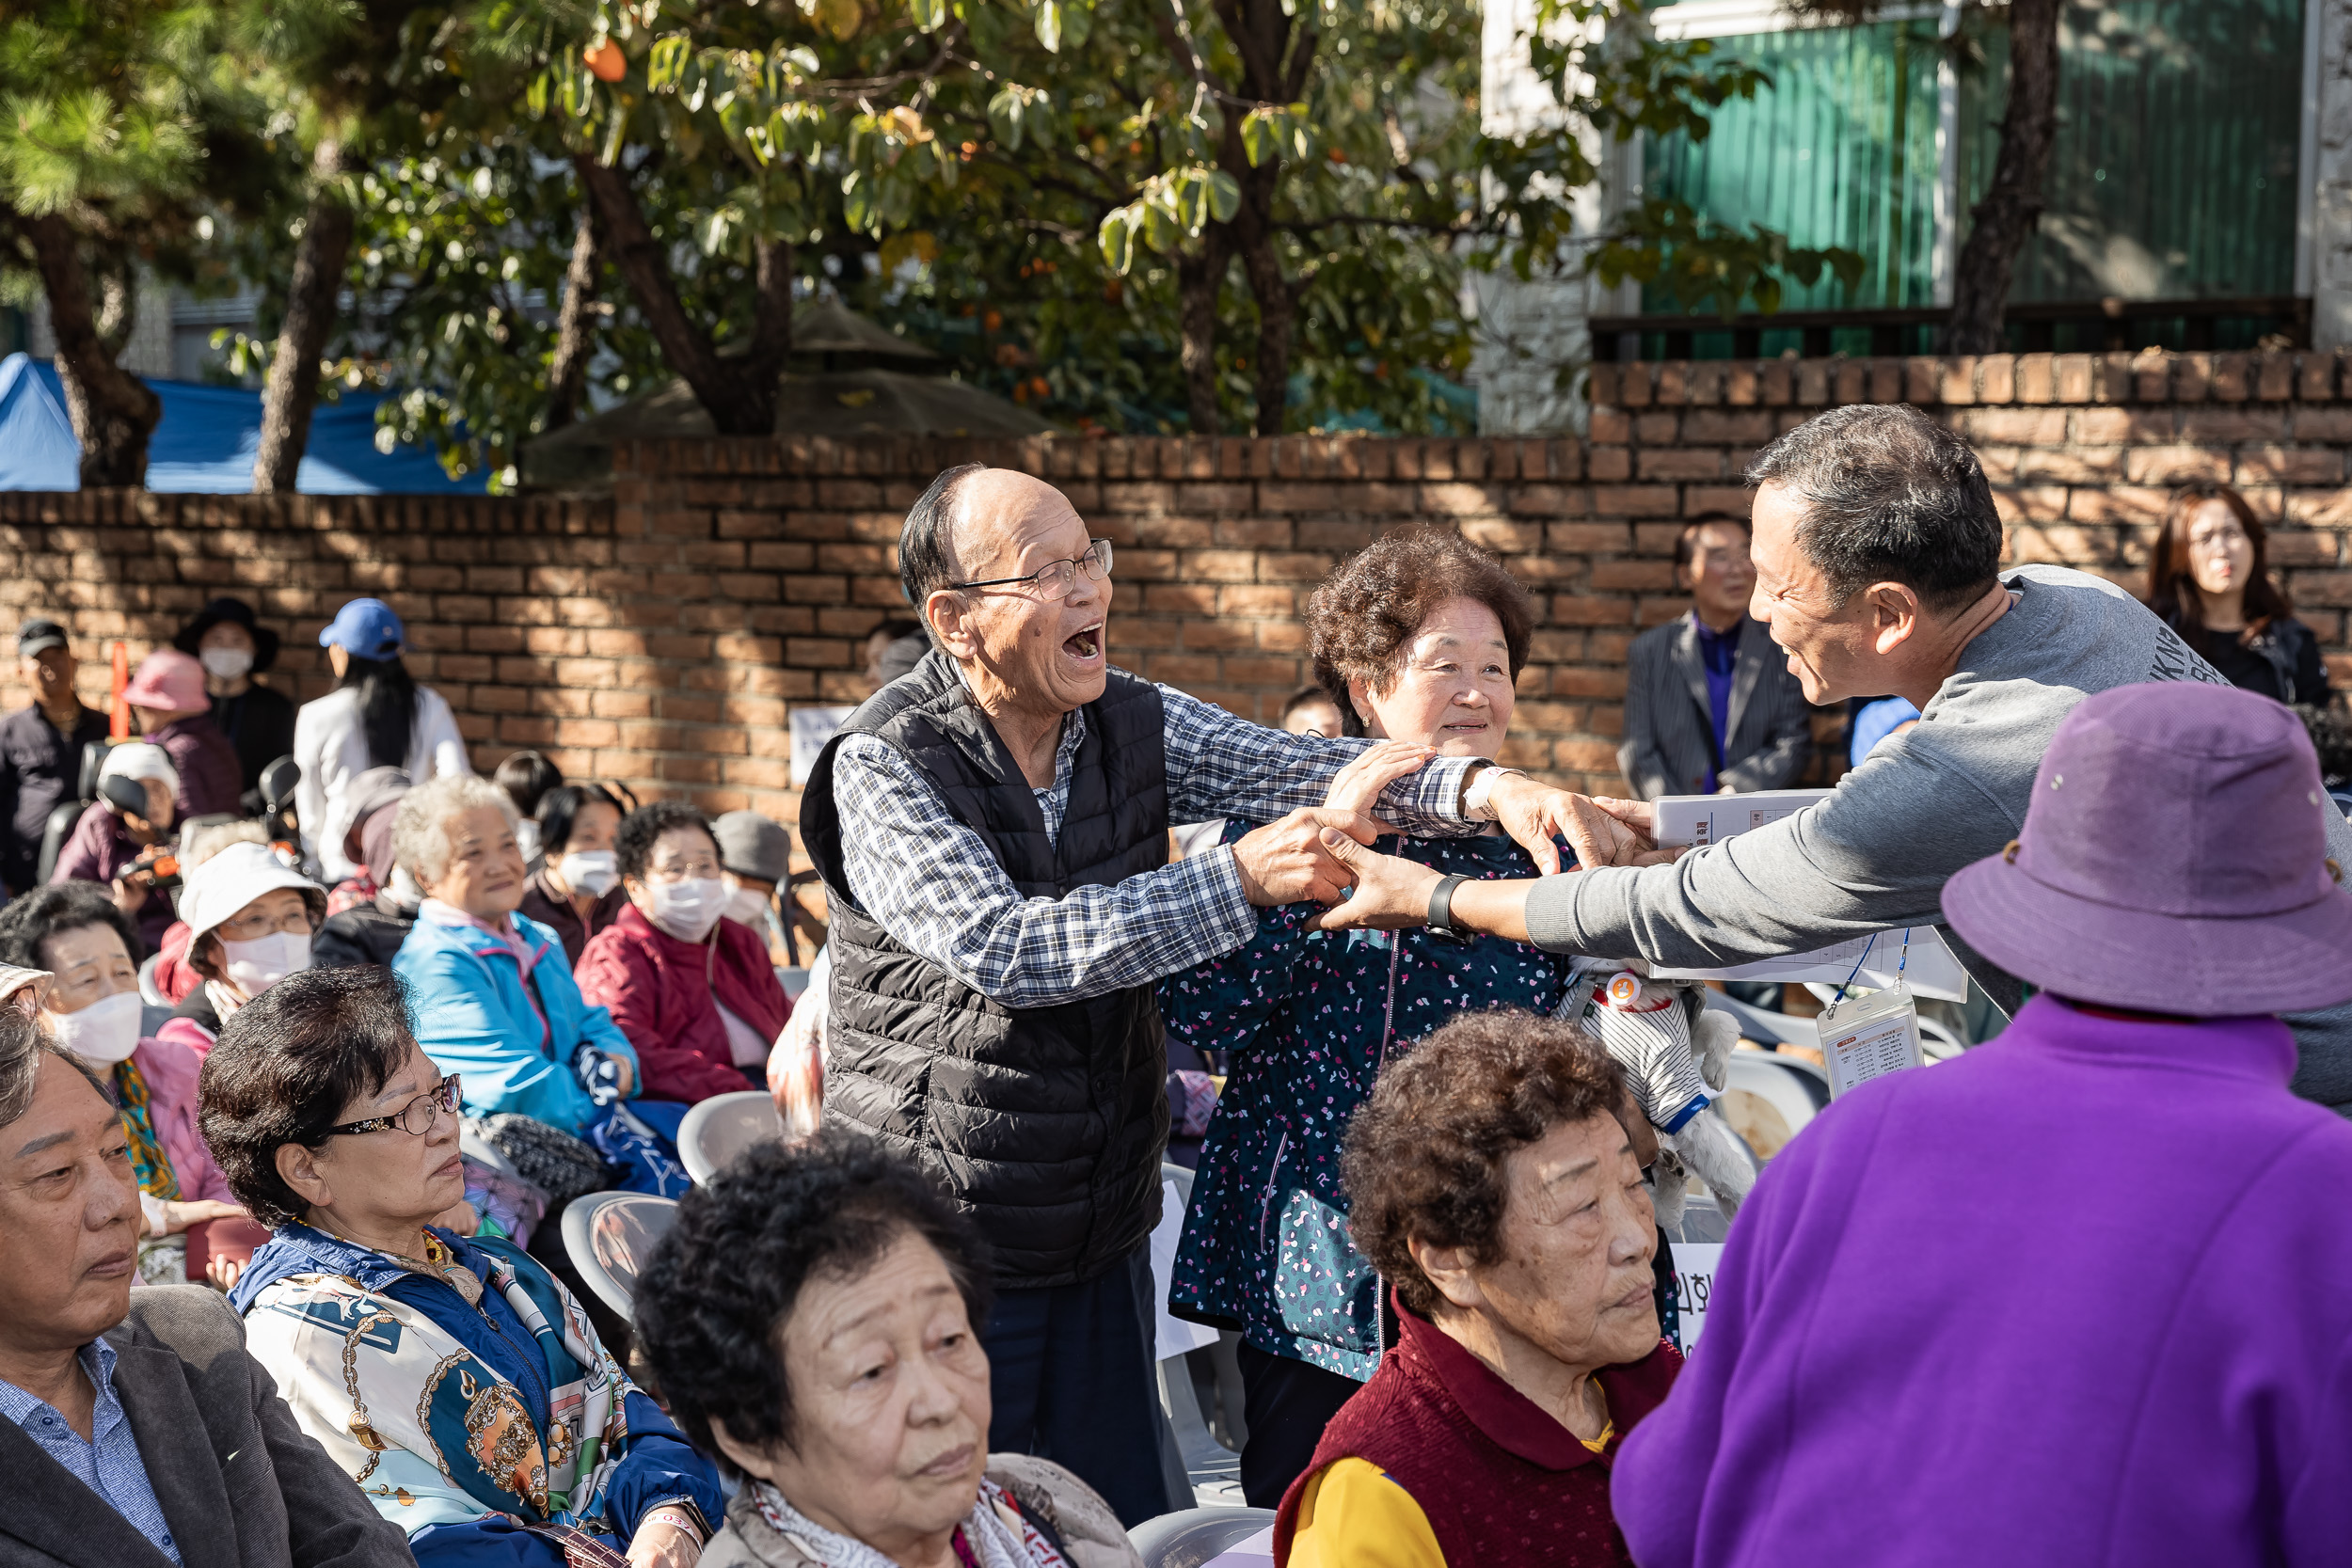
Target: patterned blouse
1308, 1018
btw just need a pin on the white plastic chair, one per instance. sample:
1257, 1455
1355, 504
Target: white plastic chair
718, 1129
610, 1236
1198, 1466
1196, 1535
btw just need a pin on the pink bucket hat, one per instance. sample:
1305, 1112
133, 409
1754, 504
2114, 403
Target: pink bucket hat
2175, 858
168, 679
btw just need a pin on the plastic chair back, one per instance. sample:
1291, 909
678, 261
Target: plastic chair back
1196, 1535
724, 1126
609, 1237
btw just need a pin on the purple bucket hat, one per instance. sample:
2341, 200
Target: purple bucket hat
2173, 859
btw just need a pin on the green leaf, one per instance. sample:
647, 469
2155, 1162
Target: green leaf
1049, 26
1259, 139
1007, 111
857, 200
665, 63
929, 15
1116, 240
1224, 196
1078, 21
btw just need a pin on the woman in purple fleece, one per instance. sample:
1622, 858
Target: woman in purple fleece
2084, 1295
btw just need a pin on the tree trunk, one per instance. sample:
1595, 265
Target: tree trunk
2005, 219
1198, 278
291, 391
574, 325
1278, 312
737, 391
113, 412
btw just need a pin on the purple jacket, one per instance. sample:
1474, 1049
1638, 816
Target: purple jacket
2081, 1297
209, 775
98, 851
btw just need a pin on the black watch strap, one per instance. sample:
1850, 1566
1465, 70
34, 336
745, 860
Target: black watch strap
1441, 911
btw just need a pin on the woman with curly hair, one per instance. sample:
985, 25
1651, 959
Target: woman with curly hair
812, 1320
1498, 1191
1418, 642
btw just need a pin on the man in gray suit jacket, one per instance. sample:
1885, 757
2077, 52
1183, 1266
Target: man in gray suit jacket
1709, 704
135, 1430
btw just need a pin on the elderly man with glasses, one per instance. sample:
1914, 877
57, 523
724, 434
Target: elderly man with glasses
993, 832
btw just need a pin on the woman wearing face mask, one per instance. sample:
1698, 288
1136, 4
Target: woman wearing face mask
235, 647
577, 891
250, 919
91, 1007
694, 992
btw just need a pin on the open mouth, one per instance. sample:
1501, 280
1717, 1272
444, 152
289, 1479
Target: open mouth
1085, 645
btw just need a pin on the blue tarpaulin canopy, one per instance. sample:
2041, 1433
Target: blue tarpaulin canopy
207, 441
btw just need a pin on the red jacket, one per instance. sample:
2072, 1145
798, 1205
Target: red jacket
665, 995
1501, 1482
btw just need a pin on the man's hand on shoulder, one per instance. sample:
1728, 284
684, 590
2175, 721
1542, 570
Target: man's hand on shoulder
1285, 861
1602, 832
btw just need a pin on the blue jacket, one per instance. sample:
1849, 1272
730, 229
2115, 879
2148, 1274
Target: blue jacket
657, 1465
472, 1016
1309, 1017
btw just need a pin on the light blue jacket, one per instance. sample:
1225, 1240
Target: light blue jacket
473, 1017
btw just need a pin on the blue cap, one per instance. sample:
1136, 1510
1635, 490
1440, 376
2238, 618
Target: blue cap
365, 629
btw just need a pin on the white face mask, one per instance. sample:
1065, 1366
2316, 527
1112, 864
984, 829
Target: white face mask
687, 909
590, 871
105, 1032
226, 664
405, 890
527, 837
257, 965
748, 906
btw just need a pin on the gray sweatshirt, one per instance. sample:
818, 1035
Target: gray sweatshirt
1950, 790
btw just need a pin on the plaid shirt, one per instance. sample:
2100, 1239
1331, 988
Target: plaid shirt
936, 886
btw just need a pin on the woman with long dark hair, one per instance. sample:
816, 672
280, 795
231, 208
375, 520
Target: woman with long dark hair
377, 717
2209, 578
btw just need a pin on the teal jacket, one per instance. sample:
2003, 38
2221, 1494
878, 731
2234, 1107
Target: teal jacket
473, 1017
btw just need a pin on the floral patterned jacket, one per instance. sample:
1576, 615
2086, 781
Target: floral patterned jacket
1308, 1018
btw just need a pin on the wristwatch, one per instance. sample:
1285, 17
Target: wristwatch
1478, 790
1441, 911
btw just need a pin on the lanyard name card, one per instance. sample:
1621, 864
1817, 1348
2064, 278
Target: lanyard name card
1872, 1035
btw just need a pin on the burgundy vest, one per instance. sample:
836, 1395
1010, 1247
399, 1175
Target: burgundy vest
1499, 1479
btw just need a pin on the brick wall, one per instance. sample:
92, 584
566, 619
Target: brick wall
661, 636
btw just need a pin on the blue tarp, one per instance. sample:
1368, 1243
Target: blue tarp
206, 442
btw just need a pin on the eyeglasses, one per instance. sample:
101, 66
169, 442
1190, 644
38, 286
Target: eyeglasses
1056, 577
416, 1118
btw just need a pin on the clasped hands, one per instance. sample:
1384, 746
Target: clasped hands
1324, 852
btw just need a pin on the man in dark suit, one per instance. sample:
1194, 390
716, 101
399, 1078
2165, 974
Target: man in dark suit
1709, 704
135, 1430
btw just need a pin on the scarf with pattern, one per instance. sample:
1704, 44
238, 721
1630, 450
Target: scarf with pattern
148, 1160
995, 1534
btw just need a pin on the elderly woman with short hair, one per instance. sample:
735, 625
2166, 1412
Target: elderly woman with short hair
693, 991
1498, 1191
456, 1382
1418, 641
493, 997
811, 1319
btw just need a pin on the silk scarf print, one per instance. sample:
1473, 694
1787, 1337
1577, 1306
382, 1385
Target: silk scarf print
432, 1435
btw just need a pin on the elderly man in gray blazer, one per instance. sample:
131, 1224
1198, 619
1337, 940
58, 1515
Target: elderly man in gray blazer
135, 1430
1709, 704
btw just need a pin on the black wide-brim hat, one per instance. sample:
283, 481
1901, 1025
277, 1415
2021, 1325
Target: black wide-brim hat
264, 640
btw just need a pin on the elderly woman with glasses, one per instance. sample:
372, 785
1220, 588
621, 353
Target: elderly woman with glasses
457, 1382
694, 992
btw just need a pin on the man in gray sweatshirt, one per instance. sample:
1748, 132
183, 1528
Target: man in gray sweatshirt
1877, 551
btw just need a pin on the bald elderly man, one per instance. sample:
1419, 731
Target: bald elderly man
993, 832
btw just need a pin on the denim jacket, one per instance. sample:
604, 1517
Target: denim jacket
1309, 1018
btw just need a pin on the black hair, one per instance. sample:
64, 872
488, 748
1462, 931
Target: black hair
1684, 541
32, 918
1304, 695
286, 1065
713, 1299
895, 627
388, 706
559, 807
527, 777
1889, 496
926, 557
642, 828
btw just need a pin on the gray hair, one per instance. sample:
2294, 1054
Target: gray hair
420, 831
23, 1044
1890, 496
927, 545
